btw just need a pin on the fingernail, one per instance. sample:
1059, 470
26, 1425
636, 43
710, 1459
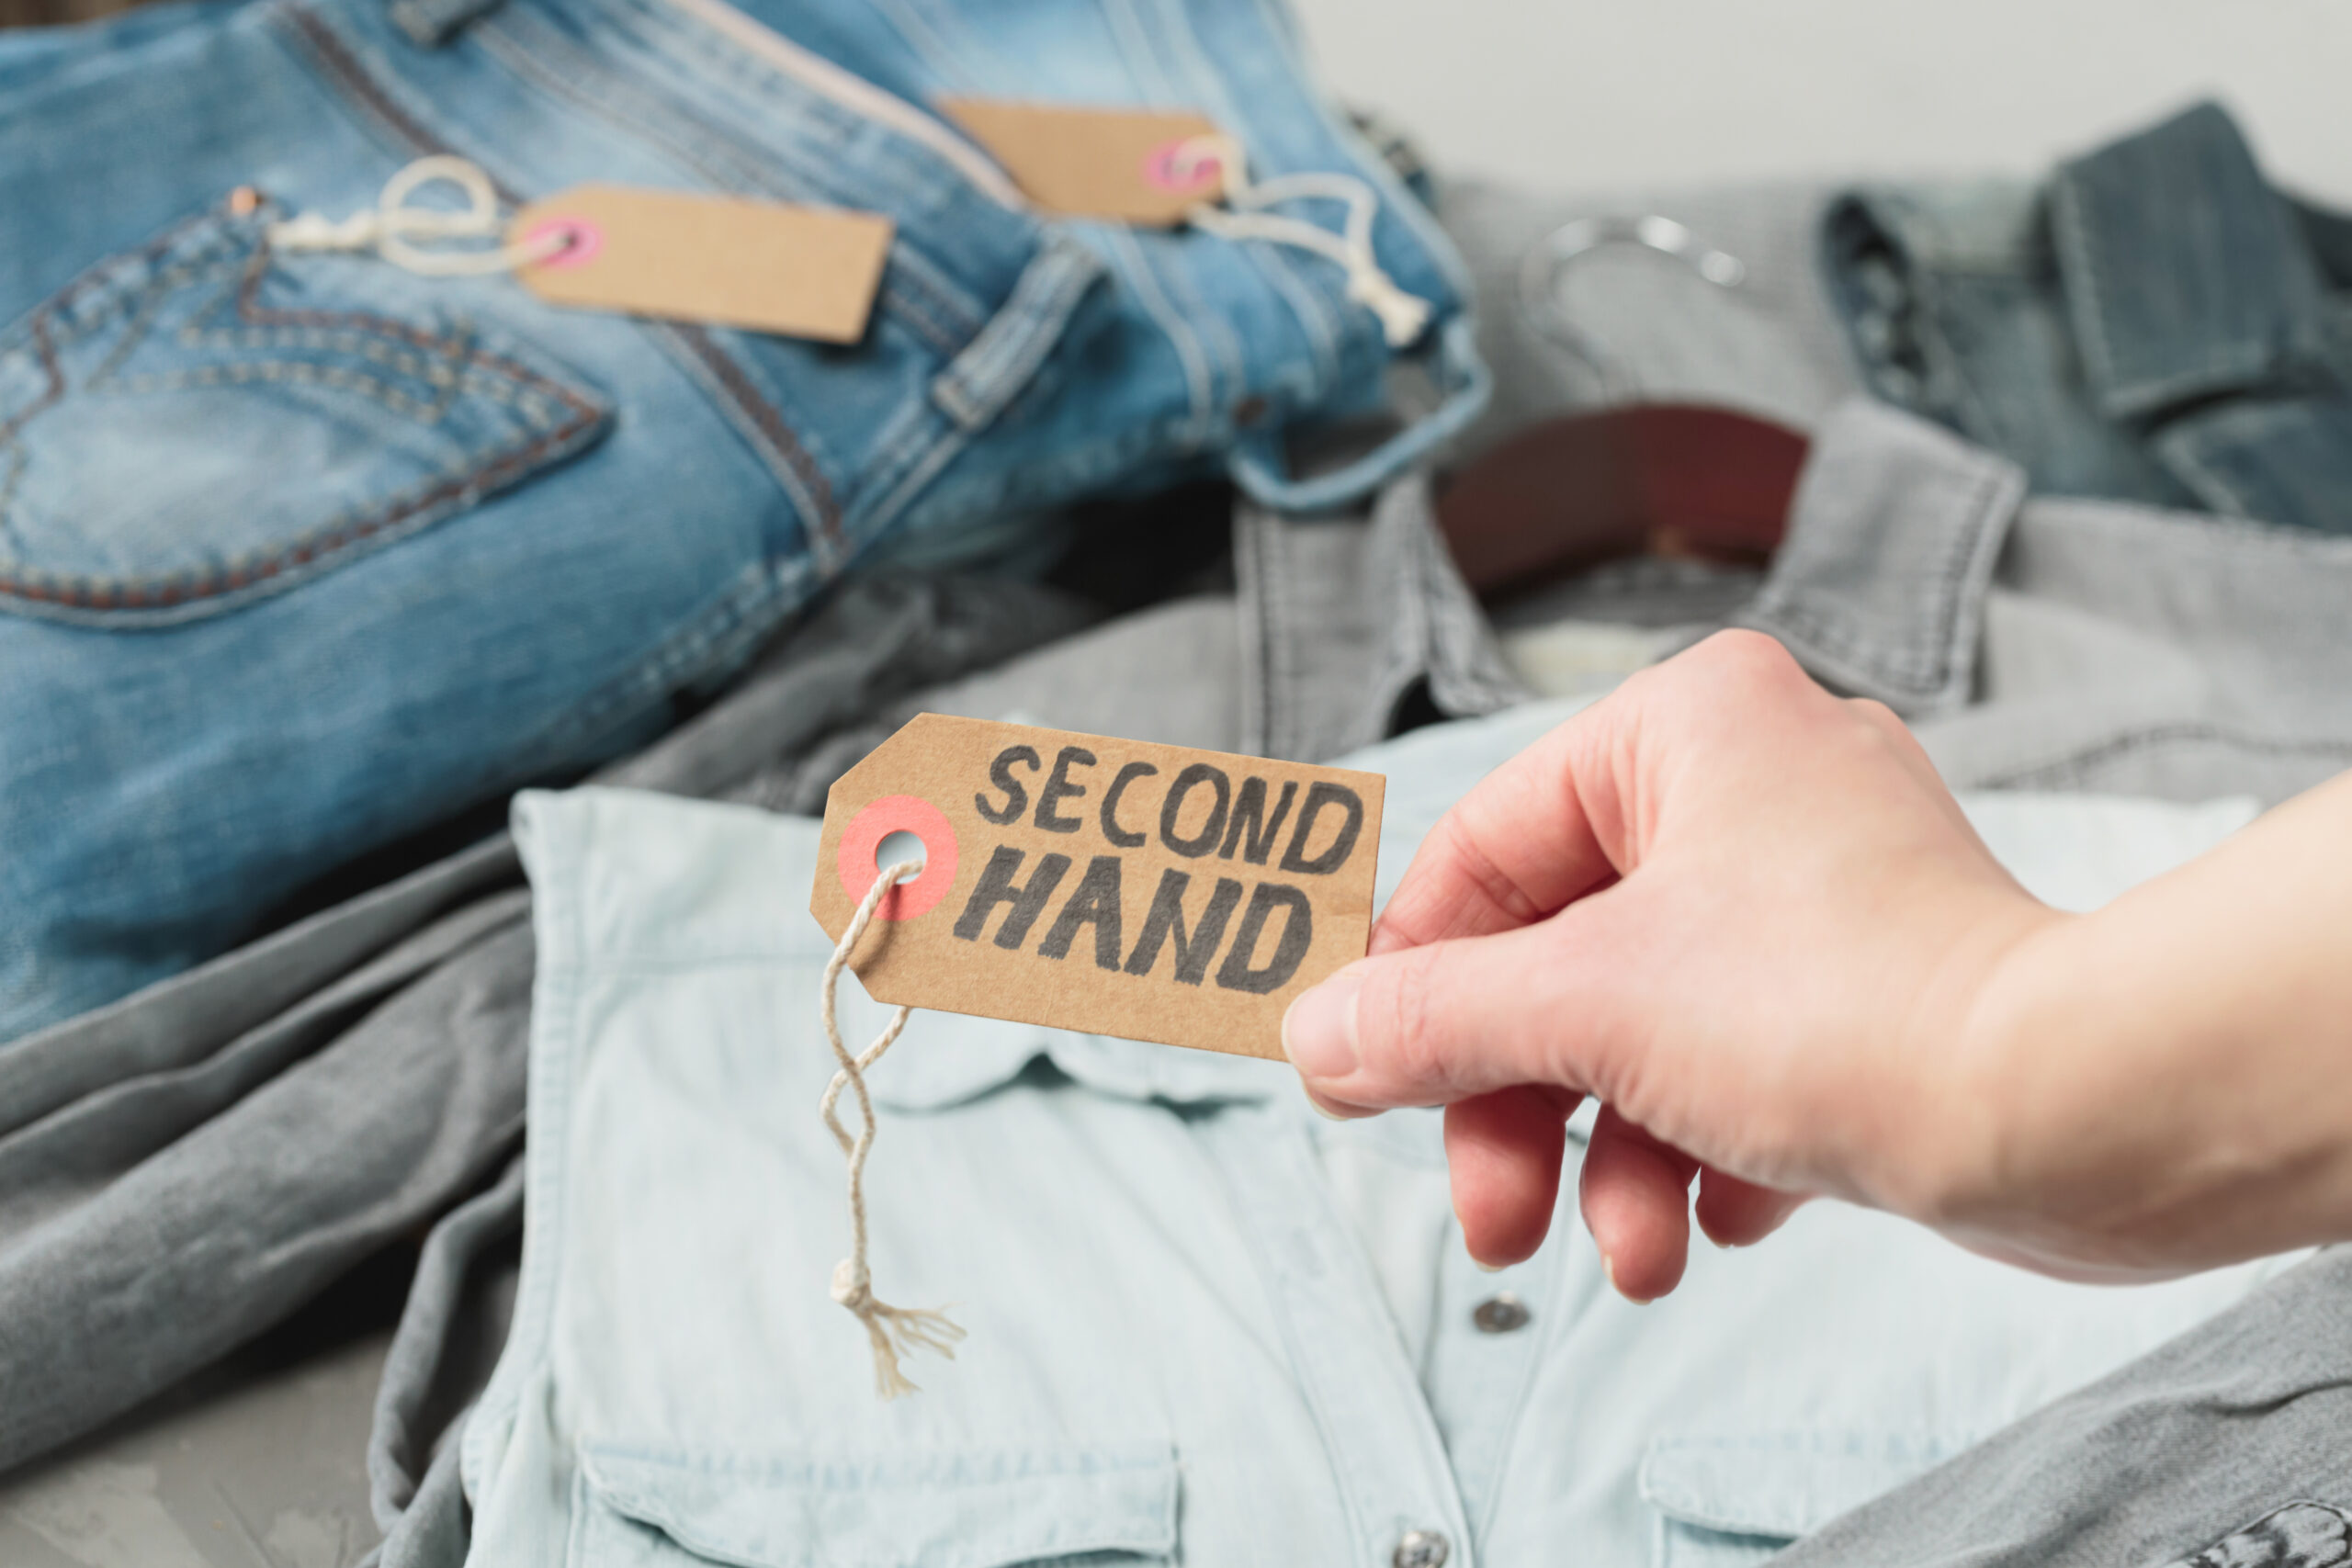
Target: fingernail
1319, 1029
1609, 1268
1485, 1268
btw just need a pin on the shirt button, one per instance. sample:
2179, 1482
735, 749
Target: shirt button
1421, 1549
1503, 1314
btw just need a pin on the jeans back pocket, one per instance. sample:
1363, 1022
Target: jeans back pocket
200, 422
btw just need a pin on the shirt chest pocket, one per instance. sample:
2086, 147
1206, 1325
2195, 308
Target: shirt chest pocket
1733, 1501
200, 422
1110, 1504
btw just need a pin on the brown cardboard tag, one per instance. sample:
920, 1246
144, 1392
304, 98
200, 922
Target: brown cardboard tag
1115, 886
1129, 165
802, 271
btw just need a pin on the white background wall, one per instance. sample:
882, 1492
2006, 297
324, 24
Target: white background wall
1599, 94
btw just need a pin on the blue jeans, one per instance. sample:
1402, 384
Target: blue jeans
300, 553
2154, 325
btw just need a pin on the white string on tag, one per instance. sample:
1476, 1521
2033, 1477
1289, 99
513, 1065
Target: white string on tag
896, 1331
393, 228
1402, 315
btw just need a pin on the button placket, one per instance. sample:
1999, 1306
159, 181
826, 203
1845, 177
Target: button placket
1388, 1458
1491, 1329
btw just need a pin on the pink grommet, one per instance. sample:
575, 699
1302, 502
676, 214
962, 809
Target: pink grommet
1175, 165
896, 814
582, 241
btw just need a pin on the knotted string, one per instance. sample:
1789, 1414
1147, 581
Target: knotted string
1402, 315
392, 226
896, 1331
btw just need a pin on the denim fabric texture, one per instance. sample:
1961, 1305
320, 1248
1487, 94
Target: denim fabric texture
2236, 1421
2155, 323
1353, 630
1241, 63
301, 553
1181, 1350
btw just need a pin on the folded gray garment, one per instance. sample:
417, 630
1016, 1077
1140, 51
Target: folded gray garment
1625, 322
185, 1167
2229, 1447
459, 1307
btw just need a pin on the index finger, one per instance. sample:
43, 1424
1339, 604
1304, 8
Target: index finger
1529, 840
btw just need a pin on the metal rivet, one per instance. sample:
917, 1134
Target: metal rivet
1249, 411
1422, 1549
1505, 1314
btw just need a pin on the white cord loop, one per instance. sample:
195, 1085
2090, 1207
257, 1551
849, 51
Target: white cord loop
1402, 315
896, 1331
393, 228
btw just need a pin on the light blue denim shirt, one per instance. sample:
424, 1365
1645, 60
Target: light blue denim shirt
1205, 1326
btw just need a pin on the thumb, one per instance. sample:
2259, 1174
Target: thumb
1433, 1024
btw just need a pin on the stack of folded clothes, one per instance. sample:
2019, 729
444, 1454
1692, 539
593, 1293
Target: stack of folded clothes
416, 699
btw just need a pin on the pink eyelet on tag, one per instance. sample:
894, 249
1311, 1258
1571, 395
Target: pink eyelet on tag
582, 241
1173, 165
898, 814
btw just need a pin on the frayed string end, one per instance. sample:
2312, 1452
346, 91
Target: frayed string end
895, 1332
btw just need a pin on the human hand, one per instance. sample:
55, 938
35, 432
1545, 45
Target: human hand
1745, 914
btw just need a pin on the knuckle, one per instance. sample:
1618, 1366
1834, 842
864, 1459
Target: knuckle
1889, 733
1735, 666
1753, 654
1876, 713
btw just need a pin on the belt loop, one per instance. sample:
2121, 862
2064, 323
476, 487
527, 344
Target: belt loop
999, 360
1260, 467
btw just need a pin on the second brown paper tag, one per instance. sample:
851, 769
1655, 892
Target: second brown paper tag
1114, 886
1128, 165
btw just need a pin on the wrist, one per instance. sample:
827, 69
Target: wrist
1980, 1030
2114, 1117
